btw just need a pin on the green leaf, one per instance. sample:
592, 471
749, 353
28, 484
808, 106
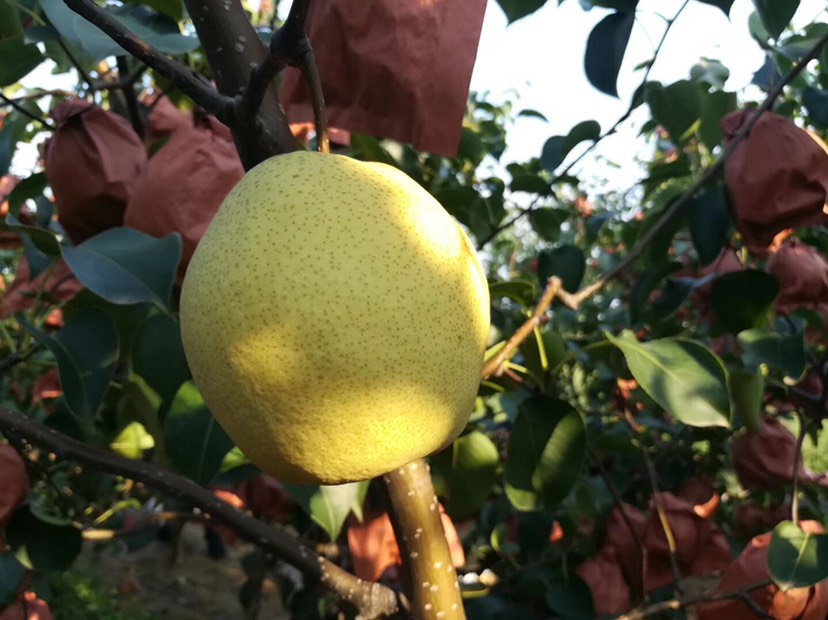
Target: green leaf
30, 187
19, 59
158, 355
132, 441
125, 266
685, 378
196, 444
140, 403
552, 154
816, 101
742, 300
329, 506
518, 9
567, 262
785, 353
547, 447
530, 183
556, 148
606, 46
624, 6
474, 463
42, 239
676, 107
724, 5
709, 223
747, 391
797, 559
86, 349
12, 131
171, 8
776, 14
10, 27
715, 106
12, 573
157, 30
547, 223
521, 291
43, 545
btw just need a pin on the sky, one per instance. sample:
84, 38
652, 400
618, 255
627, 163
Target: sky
542, 55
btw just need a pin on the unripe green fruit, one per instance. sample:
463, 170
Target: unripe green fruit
335, 319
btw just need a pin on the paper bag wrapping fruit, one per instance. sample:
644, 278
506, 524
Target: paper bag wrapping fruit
777, 177
394, 69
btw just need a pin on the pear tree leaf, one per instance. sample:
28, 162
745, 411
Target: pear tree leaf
125, 266
19, 59
474, 463
743, 299
195, 442
797, 559
747, 391
676, 107
776, 14
132, 441
684, 377
547, 448
42, 239
567, 262
785, 353
12, 573
518, 9
606, 46
43, 544
709, 223
329, 506
86, 349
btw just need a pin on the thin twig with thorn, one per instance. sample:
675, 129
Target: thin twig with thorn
14, 104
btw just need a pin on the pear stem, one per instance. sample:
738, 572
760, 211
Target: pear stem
433, 589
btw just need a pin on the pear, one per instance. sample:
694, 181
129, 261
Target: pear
335, 319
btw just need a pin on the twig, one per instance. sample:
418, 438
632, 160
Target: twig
622, 119
676, 604
493, 366
415, 515
616, 498
78, 67
803, 432
289, 46
129, 94
708, 175
188, 81
371, 599
12, 360
662, 517
26, 112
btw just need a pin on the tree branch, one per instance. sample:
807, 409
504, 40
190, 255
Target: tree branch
186, 80
234, 52
418, 527
676, 604
371, 599
289, 46
493, 366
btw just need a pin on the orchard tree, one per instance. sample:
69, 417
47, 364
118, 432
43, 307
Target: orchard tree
648, 437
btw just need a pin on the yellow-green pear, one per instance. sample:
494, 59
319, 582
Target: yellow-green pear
335, 319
